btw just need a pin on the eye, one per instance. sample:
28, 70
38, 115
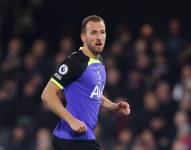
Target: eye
93, 32
103, 32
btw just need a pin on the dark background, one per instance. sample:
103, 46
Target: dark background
51, 19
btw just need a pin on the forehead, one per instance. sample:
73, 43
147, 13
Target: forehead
98, 25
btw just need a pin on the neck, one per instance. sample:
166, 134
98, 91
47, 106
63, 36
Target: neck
88, 52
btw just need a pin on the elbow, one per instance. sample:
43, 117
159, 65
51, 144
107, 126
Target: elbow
48, 94
44, 96
45, 99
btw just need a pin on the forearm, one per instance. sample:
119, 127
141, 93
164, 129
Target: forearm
106, 103
54, 104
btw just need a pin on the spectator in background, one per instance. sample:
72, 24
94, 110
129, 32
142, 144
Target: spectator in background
147, 32
141, 57
148, 139
185, 103
144, 66
144, 141
44, 118
160, 68
167, 105
158, 47
30, 67
117, 50
18, 140
123, 35
140, 47
8, 91
182, 87
124, 39
124, 140
134, 83
13, 56
39, 49
66, 45
30, 63
110, 62
29, 101
180, 146
185, 55
143, 63
43, 139
113, 83
174, 41
150, 115
183, 134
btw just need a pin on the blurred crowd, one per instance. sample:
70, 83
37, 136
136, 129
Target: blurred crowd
152, 72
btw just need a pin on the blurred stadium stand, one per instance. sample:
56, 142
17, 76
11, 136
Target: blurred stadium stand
148, 62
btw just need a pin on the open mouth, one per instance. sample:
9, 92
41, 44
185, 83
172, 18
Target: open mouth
98, 44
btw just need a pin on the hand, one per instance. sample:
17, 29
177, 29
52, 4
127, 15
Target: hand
122, 107
78, 126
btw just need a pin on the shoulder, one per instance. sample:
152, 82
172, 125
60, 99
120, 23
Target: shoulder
71, 69
78, 57
77, 61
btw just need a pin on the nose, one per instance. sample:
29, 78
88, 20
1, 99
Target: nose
99, 36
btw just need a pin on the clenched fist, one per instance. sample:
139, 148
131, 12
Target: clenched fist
78, 126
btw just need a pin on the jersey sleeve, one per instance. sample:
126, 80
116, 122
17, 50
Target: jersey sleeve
69, 71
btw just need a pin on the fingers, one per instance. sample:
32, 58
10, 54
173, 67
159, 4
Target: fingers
127, 111
78, 127
82, 128
125, 107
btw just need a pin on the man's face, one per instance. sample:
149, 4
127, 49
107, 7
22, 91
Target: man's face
94, 36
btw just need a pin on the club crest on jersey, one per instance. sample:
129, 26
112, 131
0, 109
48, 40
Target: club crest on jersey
63, 69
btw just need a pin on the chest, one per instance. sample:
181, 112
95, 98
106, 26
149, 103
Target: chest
94, 75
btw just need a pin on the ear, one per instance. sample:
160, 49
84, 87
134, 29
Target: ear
83, 37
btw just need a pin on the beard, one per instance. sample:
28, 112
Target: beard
96, 49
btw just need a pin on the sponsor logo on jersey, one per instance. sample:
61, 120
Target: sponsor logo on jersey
97, 91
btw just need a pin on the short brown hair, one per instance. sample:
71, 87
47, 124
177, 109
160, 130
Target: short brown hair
93, 18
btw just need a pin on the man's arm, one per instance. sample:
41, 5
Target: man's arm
106, 103
122, 106
53, 102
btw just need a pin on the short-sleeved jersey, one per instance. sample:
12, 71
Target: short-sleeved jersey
82, 80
